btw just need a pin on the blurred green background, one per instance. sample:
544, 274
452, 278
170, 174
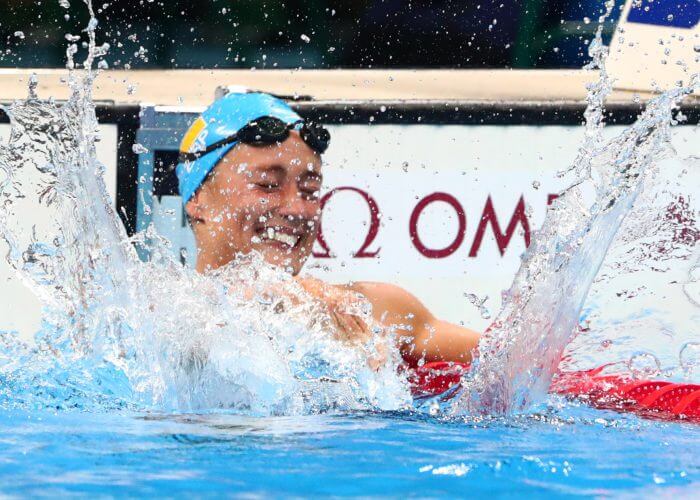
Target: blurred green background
308, 34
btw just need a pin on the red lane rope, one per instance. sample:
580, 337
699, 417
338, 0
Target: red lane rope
657, 399
435, 378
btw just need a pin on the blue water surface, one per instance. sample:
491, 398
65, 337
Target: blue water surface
576, 451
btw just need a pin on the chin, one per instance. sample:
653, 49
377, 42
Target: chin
281, 259
285, 257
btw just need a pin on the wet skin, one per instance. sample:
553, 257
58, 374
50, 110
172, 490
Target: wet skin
259, 198
266, 199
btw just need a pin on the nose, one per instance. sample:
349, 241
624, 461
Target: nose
294, 205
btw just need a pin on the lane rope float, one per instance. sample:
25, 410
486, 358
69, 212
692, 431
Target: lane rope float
658, 399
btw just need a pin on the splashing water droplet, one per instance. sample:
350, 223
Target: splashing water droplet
644, 365
33, 83
139, 149
689, 358
480, 304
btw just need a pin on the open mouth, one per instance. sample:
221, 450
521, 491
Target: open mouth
281, 237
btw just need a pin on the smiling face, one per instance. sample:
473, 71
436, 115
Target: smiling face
262, 198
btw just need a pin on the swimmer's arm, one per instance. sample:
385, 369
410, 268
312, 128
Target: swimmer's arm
428, 338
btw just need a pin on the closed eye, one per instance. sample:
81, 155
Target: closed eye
268, 186
310, 194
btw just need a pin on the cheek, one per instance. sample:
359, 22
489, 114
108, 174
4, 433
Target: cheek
312, 234
314, 222
312, 208
255, 201
249, 212
244, 197
315, 216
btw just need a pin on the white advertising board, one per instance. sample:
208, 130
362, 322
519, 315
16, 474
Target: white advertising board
453, 207
656, 44
19, 308
444, 211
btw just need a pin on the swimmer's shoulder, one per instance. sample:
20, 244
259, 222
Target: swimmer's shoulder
391, 303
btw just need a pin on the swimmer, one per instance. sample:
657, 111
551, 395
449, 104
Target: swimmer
249, 174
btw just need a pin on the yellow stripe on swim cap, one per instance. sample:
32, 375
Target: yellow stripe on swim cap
191, 134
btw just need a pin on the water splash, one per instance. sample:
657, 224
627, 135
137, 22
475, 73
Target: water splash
519, 354
119, 332
642, 296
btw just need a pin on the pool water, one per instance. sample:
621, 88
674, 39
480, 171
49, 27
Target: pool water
566, 451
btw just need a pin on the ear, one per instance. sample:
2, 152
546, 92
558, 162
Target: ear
194, 208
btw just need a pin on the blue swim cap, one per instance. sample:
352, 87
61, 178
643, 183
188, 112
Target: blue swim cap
222, 119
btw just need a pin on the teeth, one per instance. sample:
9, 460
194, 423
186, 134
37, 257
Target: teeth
287, 239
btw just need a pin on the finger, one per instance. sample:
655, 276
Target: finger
340, 325
360, 325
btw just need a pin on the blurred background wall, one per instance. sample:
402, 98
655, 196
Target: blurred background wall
310, 34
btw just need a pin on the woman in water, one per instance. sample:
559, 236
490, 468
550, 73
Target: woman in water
250, 173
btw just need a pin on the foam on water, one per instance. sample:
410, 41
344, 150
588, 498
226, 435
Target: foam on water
119, 332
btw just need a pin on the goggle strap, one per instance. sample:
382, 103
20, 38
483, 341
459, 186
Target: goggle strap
183, 157
307, 133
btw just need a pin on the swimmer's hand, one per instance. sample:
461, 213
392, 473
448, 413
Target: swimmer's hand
347, 312
347, 309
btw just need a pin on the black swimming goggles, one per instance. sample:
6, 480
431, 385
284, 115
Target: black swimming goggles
268, 130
